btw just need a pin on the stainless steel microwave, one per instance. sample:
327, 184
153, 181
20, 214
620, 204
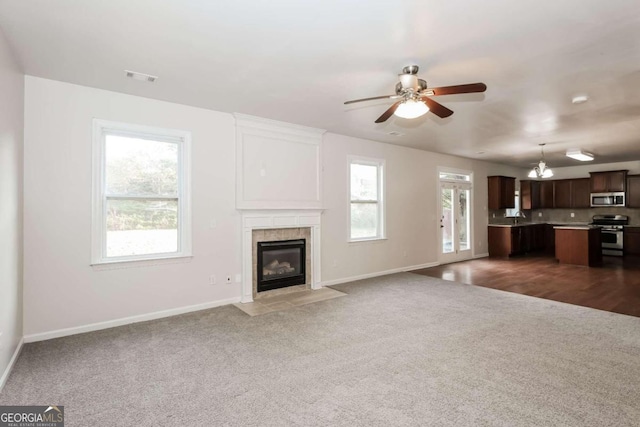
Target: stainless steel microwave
607, 199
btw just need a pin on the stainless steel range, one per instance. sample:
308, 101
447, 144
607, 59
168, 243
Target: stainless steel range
612, 227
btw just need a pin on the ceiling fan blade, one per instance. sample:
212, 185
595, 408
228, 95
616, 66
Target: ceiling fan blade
388, 113
452, 90
437, 108
371, 99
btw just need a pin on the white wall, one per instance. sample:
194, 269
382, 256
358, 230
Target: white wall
61, 289
411, 207
11, 145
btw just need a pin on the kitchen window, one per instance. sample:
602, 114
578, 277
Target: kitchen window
141, 208
366, 207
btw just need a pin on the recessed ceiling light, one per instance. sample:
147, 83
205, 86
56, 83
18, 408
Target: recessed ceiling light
579, 99
583, 156
141, 76
479, 152
396, 133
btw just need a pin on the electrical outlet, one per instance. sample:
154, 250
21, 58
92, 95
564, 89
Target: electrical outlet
212, 279
539, 214
238, 278
494, 215
573, 215
228, 279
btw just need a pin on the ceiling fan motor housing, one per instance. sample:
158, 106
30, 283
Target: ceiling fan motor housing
410, 69
422, 85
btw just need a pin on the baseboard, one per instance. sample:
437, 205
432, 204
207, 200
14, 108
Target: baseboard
127, 320
379, 273
7, 372
484, 255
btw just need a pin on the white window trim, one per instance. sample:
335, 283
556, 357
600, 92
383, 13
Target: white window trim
98, 218
442, 169
382, 229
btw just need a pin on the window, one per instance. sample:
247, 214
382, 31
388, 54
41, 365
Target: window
516, 206
366, 199
141, 206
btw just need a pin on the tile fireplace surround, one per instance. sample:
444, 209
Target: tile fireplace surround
279, 225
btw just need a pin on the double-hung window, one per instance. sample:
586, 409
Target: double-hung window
141, 207
366, 208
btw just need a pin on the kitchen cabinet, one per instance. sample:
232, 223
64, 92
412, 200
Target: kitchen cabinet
579, 246
507, 241
502, 192
521, 239
581, 193
518, 239
546, 194
632, 241
529, 195
633, 191
562, 193
549, 239
608, 182
537, 237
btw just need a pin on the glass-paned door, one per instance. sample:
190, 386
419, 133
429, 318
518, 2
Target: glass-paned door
455, 222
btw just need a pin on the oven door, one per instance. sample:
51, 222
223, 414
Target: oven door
612, 239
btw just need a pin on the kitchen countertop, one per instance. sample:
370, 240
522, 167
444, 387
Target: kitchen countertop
574, 227
556, 224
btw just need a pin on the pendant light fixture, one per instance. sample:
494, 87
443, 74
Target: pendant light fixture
541, 171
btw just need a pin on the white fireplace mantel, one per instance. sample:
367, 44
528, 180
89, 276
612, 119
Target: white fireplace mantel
274, 219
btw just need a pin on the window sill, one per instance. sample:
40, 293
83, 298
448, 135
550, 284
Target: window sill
371, 240
114, 265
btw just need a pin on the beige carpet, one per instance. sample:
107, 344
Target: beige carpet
398, 350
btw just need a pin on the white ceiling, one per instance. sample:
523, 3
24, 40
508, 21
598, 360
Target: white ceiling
299, 60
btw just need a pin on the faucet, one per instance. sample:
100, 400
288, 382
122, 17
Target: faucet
518, 214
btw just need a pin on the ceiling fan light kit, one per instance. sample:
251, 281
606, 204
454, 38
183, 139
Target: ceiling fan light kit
415, 97
583, 156
541, 171
411, 109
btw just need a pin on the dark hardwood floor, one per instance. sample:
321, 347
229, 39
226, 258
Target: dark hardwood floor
613, 287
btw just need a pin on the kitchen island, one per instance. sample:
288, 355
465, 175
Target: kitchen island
579, 245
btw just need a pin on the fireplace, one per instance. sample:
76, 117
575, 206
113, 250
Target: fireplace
280, 264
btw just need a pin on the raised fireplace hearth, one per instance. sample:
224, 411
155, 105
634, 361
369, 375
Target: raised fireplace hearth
281, 263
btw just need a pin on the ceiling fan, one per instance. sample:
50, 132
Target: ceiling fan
415, 97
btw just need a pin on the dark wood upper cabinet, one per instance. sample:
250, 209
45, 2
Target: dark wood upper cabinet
633, 191
529, 194
546, 194
502, 192
580, 193
562, 193
608, 182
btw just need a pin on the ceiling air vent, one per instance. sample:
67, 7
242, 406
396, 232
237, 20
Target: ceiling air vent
141, 76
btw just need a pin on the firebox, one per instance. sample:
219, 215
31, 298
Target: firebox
281, 264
